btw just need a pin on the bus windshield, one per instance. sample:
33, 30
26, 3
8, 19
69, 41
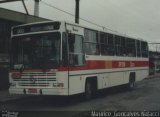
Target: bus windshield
36, 51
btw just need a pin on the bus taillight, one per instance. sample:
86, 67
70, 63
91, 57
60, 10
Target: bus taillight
16, 75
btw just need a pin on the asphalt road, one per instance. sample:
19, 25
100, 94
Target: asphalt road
145, 97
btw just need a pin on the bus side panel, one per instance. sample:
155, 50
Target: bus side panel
76, 83
140, 75
103, 81
62, 77
116, 78
126, 77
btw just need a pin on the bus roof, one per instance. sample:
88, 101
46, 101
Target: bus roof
102, 29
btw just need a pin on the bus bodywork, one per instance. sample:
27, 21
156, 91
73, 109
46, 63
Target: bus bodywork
58, 58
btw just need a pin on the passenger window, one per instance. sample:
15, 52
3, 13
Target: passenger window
123, 46
130, 47
91, 42
91, 36
111, 45
144, 49
107, 44
104, 43
138, 48
118, 45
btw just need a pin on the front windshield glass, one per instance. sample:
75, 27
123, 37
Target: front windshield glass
36, 51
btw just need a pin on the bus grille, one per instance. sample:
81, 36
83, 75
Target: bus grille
36, 79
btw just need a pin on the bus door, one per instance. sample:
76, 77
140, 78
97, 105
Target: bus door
76, 58
76, 54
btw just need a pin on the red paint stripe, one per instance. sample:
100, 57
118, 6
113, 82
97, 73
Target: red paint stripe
94, 64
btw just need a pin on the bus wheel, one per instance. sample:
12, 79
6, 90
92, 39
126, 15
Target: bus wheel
131, 84
88, 90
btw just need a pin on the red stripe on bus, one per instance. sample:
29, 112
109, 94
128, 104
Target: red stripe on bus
93, 65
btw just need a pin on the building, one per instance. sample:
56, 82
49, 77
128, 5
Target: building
154, 62
8, 19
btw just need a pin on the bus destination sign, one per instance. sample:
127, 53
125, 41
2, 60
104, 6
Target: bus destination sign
36, 28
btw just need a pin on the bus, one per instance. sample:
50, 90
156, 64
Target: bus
60, 58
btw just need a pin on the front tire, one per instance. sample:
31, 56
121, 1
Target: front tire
88, 90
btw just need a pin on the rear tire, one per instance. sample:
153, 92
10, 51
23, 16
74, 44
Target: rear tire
131, 84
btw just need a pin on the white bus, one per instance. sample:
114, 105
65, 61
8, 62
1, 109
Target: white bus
59, 58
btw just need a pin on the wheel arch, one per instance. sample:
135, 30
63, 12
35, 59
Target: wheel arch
93, 80
132, 76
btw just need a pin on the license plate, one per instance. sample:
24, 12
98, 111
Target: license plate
32, 90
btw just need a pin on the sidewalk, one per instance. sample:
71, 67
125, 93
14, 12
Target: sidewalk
154, 76
5, 96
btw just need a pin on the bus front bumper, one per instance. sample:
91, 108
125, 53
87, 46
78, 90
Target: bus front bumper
39, 91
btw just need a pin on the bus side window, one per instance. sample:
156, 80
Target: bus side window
130, 47
104, 43
144, 49
123, 46
111, 45
91, 42
138, 48
118, 46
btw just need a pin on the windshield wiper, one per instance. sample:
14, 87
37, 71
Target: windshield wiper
19, 67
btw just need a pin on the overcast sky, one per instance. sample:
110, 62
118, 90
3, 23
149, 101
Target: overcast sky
136, 18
